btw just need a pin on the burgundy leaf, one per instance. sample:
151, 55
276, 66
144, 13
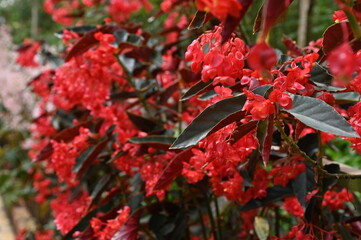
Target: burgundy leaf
272, 10
129, 231
66, 136
242, 130
232, 22
291, 47
337, 34
173, 169
90, 158
198, 20
87, 41
267, 144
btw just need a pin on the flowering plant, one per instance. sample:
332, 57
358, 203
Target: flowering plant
123, 151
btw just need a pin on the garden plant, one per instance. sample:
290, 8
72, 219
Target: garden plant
164, 120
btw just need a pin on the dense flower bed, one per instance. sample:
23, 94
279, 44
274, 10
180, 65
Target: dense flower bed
192, 133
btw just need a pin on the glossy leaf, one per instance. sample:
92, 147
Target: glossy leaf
347, 97
196, 89
320, 74
158, 141
143, 124
319, 115
123, 36
242, 130
100, 188
88, 157
214, 118
271, 11
173, 169
336, 34
264, 136
261, 135
198, 20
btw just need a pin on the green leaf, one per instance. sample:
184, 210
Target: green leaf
261, 226
319, 115
214, 118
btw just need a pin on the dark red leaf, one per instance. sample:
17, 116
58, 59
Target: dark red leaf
356, 10
242, 130
291, 47
232, 22
173, 169
129, 231
87, 41
155, 141
337, 34
66, 136
267, 144
198, 88
189, 76
143, 124
272, 10
198, 20
168, 92
89, 159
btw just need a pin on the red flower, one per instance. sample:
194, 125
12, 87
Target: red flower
282, 98
68, 213
106, 230
262, 57
258, 106
339, 16
220, 9
343, 62
293, 206
335, 200
27, 54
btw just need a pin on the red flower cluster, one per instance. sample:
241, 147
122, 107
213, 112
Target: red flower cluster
69, 209
335, 200
106, 230
63, 158
121, 9
293, 206
86, 79
27, 53
222, 63
282, 174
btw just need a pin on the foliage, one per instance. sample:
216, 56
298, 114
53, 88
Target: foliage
123, 151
